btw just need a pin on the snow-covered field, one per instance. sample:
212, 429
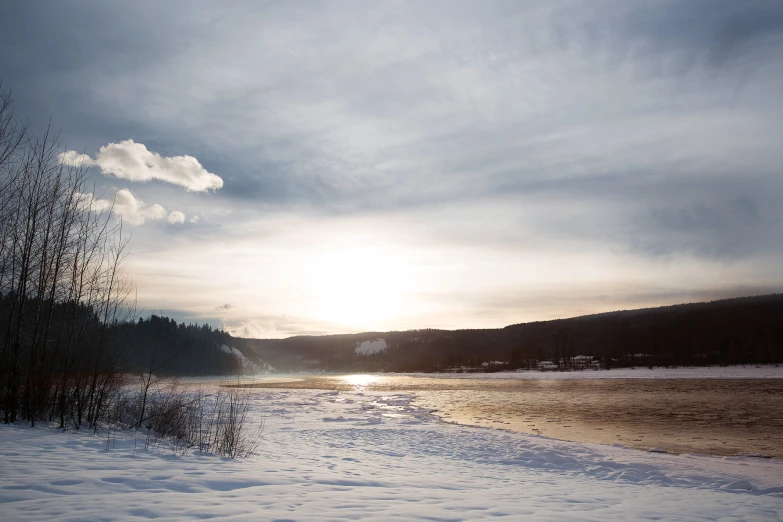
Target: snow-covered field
360, 455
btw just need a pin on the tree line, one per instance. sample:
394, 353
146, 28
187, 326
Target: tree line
69, 337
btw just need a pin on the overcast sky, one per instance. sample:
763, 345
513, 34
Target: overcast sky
321, 167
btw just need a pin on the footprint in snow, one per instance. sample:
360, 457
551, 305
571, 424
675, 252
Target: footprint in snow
740, 484
65, 482
113, 480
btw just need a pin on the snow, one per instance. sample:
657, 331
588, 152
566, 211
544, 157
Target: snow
373, 456
492, 363
370, 347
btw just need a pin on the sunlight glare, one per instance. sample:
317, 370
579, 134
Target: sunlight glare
360, 380
359, 287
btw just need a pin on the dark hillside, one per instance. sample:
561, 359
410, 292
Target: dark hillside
746, 330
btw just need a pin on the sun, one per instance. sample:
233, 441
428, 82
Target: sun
359, 287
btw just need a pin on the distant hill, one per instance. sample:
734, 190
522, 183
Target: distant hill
746, 330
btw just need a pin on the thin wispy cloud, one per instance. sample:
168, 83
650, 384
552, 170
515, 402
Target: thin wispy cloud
557, 150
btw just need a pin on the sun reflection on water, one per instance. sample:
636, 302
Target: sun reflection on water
360, 380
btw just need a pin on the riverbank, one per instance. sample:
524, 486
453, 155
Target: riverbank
362, 455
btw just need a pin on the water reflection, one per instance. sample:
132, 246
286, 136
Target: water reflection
360, 380
713, 416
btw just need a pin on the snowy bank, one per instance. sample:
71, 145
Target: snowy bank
374, 456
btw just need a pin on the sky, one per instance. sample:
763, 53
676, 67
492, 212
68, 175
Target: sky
300, 167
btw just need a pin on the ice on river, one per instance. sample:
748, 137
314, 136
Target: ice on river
375, 456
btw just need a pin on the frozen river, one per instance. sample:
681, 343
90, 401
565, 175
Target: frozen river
690, 412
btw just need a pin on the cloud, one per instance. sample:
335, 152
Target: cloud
87, 201
74, 159
498, 131
226, 306
132, 161
134, 211
176, 217
194, 219
277, 326
131, 210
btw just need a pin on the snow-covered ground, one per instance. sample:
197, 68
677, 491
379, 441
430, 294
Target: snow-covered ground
360, 455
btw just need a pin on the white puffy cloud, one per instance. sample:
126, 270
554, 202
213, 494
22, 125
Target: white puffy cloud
132, 161
134, 211
131, 210
85, 201
74, 159
176, 217
194, 219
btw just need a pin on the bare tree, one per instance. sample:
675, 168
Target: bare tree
148, 377
62, 288
61, 283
